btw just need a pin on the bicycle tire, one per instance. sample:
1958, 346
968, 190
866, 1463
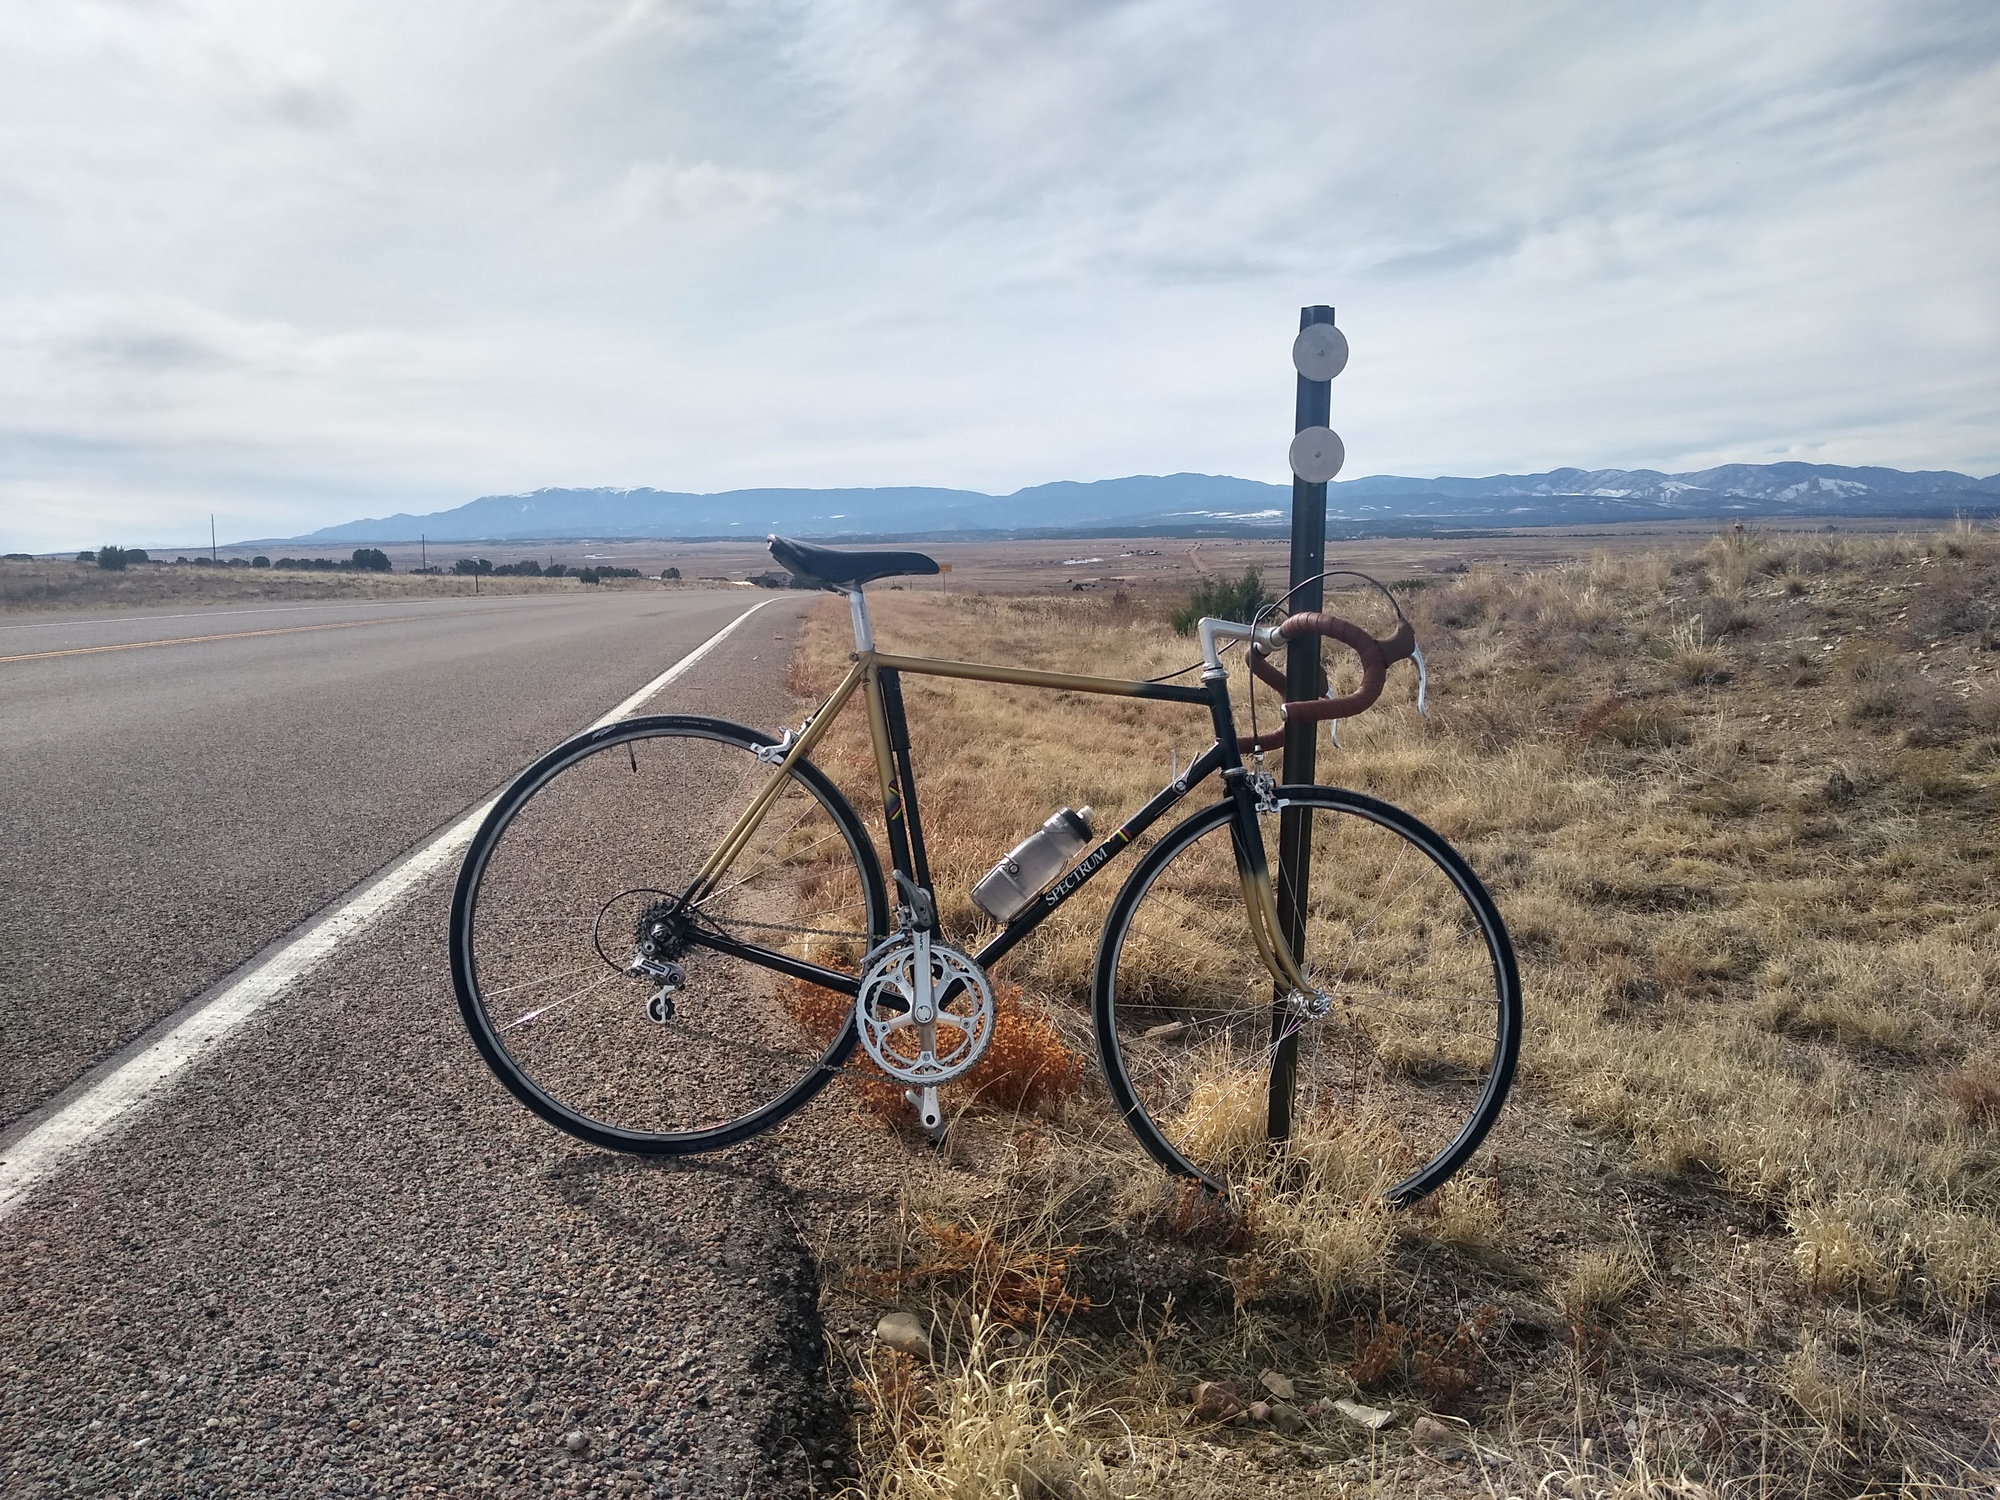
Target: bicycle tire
579, 853
1395, 1087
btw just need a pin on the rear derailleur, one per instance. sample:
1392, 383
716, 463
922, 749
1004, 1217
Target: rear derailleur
657, 944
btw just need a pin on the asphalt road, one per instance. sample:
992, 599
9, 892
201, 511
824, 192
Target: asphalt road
336, 1257
167, 809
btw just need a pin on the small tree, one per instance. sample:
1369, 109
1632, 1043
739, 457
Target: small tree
1223, 599
371, 560
260, 562
86, 557
669, 574
111, 559
137, 555
588, 575
556, 570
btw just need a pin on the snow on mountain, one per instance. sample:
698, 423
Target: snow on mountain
1193, 503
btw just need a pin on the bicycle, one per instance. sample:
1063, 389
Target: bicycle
670, 933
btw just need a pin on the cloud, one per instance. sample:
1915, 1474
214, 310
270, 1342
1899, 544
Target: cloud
305, 262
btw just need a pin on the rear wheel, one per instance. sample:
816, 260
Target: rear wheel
1395, 1084
578, 874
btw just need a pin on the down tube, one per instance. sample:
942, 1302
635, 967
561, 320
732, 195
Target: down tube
1080, 875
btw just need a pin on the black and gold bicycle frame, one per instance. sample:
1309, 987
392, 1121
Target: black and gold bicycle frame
878, 677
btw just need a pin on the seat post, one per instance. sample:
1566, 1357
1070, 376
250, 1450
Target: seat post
864, 637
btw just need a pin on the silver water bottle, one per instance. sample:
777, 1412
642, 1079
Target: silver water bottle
1004, 892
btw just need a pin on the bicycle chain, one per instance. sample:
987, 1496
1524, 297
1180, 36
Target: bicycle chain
786, 927
773, 1053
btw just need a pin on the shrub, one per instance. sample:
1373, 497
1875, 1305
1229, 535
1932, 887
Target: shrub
111, 559
86, 557
371, 560
472, 566
18, 557
260, 562
1223, 598
556, 570
137, 555
587, 575
1028, 1067
1975, 1090
669, 574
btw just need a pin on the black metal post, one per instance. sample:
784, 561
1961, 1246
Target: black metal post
1314, 407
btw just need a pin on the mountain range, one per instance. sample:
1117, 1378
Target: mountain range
1194, 505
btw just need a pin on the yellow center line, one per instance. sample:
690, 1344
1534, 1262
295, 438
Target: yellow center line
234, 635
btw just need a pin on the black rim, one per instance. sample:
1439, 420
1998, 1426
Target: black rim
464, 908
1443, 857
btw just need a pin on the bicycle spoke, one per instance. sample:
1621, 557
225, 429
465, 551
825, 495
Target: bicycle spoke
765, 870
1405, 1051
536, 1015
721, 1045
528, 984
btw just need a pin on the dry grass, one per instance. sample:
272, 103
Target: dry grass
995, 1427
1739, 1230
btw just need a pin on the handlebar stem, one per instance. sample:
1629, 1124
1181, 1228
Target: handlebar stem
1215, 634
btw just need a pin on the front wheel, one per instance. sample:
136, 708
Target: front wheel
1404, 1057
593, 987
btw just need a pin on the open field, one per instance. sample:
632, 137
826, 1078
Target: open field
1141, 565
1738, 1232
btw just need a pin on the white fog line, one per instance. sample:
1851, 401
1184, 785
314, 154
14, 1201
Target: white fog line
631, 703
204, 1025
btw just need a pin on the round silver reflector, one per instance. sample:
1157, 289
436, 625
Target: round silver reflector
1317, 454
1320, 351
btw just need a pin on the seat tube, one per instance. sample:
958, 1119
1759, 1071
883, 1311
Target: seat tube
910, 854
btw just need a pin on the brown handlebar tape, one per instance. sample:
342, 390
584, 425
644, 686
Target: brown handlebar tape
1375, 659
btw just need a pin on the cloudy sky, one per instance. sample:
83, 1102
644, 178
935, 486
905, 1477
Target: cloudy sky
305, 262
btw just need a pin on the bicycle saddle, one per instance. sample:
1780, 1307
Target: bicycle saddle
845, 570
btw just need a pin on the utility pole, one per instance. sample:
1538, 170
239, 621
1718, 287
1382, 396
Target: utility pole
211, 538
1318, 354
423, 550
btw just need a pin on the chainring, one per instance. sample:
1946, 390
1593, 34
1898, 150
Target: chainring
924, 1011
